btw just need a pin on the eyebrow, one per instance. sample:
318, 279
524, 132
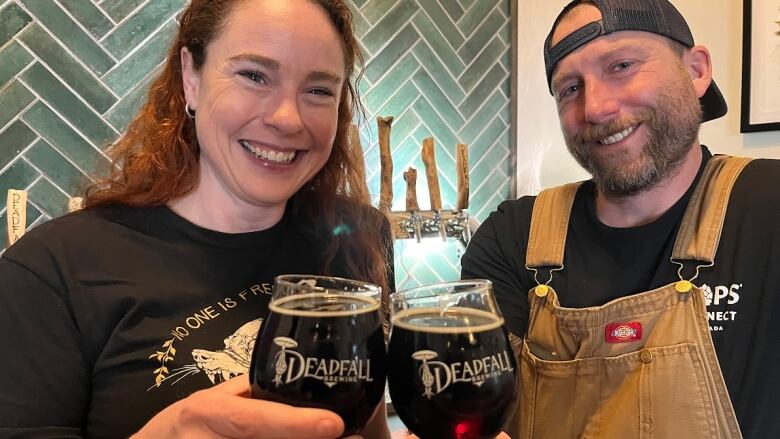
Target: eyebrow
325, 76
274, 65
257, 59
559, 79
619, 50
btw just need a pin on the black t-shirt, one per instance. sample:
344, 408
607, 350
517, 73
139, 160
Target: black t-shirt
603, 263
110, 315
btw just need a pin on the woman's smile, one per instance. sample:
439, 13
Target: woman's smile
265, 153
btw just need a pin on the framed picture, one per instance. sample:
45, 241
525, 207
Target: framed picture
761, 66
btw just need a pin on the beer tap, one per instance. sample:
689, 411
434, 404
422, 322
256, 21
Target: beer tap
434, 192
414, 222
410, 176
386, 170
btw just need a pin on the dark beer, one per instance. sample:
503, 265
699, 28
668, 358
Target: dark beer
322, 350
451, 372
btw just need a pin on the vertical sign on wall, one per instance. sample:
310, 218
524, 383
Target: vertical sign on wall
16, 214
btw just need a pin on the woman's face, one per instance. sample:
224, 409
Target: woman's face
266, 102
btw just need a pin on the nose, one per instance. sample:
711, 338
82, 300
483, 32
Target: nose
282, 112
601, 102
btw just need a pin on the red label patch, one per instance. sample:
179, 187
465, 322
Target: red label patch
623, 332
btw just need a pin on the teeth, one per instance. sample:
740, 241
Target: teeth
271, 156
617, 137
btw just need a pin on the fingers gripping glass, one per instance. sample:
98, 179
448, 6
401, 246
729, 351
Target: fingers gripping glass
451, 370
322, 346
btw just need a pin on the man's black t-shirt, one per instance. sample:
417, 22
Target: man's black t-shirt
110, 315
603, 263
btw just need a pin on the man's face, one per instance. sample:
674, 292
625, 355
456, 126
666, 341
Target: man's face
628, 109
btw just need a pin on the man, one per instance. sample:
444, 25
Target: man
598, 286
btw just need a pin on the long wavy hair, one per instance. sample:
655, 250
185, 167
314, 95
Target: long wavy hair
156, 160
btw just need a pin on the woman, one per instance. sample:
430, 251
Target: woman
236, 170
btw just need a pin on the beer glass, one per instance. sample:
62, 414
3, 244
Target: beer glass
322, 346
451, 370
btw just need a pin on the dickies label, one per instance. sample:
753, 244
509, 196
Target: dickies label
623, 332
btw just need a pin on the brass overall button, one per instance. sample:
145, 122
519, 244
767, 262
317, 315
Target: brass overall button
683, 286
645, 356
541, 290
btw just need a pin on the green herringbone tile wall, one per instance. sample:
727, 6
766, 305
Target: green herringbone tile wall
72, 73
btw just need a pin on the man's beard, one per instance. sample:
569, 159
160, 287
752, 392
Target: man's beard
672, 125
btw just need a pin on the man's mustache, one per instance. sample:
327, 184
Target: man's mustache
595, 133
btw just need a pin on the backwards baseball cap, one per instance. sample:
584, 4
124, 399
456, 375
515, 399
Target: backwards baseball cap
655, 16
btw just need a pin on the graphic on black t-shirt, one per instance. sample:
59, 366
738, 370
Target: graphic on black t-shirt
218, 365
722, 303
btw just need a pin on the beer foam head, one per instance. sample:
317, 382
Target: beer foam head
324, 305
453, 320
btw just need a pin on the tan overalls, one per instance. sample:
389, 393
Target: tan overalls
641, 366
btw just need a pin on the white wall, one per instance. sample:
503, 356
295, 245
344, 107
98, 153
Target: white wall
542, 158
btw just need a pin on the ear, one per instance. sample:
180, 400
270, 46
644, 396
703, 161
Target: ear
190, 78
699, 64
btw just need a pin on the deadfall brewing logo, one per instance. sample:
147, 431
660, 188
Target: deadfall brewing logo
438, 375
290, 366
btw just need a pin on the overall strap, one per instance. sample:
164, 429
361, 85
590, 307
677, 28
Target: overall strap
699, 234
549, 224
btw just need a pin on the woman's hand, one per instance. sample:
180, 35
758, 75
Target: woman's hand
226, 411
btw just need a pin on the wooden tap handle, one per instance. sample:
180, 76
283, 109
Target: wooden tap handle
410, 176
462, 168
16, 213
431, 173
386, 172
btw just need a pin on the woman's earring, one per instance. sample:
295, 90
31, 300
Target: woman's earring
190, 112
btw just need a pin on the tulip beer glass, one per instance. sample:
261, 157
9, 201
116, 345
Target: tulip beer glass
322, 346
451, 370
